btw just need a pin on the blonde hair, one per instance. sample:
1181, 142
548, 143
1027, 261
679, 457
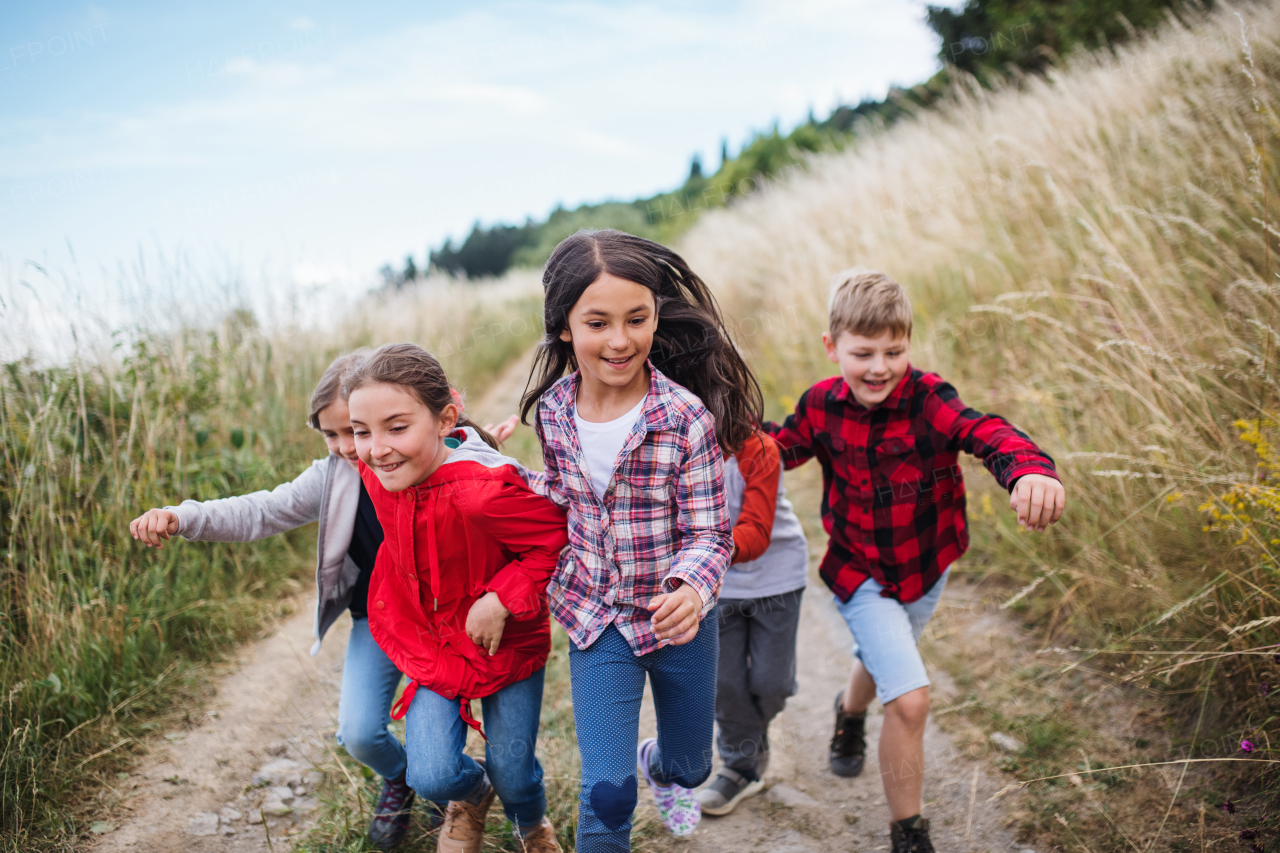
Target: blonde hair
329, 388
865, 302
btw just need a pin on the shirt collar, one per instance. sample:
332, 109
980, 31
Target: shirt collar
659, 403
897, 398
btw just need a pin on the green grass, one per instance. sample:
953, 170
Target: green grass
99, 638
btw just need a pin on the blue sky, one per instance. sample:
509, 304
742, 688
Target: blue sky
324, 139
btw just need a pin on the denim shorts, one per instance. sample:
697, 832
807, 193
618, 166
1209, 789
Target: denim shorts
885, 633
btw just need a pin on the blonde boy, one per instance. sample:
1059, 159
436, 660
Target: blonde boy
888, 437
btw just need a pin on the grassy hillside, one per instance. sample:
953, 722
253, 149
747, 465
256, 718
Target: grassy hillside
1094, 256
98, 635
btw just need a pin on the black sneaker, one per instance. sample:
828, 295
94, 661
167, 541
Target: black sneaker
391, 814
911, 835
849, 743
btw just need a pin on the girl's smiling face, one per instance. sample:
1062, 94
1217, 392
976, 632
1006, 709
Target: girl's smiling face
397, 436
335, 426
611, 327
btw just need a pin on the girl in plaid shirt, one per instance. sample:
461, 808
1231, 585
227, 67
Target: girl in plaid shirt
632, 440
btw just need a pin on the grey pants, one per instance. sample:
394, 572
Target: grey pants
756, 674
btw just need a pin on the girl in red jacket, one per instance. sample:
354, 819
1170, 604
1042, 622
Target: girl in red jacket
458, 594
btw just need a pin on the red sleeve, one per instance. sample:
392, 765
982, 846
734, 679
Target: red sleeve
1006, 450
794, 436
761, 466
532, 528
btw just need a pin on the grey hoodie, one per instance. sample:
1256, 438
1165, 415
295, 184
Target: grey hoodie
328, 492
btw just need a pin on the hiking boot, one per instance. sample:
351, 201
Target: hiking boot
463, 827
541, 840
678, 808
911, 835
849, 743
727, 790
391, 813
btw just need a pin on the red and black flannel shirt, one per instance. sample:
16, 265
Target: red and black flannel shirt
893, 494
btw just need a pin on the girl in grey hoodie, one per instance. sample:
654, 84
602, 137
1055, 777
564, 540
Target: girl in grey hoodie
328, 491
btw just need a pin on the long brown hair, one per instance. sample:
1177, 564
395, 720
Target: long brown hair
691, 344
414, 369
329, 388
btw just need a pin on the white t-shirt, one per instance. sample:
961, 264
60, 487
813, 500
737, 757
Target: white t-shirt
601, 443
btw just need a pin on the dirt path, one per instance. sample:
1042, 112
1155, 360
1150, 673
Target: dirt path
272, 715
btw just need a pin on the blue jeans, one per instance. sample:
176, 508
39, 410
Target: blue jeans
369, 682
435, 735
608, 686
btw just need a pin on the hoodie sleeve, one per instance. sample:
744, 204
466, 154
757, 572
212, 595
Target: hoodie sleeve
248, 518
533, 529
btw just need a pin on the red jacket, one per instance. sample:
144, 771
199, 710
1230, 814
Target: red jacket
470, 528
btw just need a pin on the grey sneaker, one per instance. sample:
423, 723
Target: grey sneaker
849, 743
727, 790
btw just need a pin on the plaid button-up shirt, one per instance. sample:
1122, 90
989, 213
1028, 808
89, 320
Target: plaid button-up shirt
663, 520
893, 494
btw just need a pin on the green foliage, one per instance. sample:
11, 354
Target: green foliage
987, 37
96, 632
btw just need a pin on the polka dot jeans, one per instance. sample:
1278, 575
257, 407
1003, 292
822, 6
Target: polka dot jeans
608, 686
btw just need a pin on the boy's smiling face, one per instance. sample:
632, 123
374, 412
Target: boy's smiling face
871, 366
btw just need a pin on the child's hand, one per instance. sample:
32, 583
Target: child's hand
485, 622
154, 526
676, 614
1038, 500
503, 430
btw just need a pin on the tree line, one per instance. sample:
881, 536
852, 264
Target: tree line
990, 40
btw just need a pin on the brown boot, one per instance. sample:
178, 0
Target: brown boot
463, 827
541, 840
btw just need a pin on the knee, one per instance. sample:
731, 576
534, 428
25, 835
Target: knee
612, 804
361, 741
774, 686
911, 709
688, 771
433, 780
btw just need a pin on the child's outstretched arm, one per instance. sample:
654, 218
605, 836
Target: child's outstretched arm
794, 435
243, 518
692, 583
1035, 492
533, 529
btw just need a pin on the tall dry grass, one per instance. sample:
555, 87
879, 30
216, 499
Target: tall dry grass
99, 636
1094, 256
